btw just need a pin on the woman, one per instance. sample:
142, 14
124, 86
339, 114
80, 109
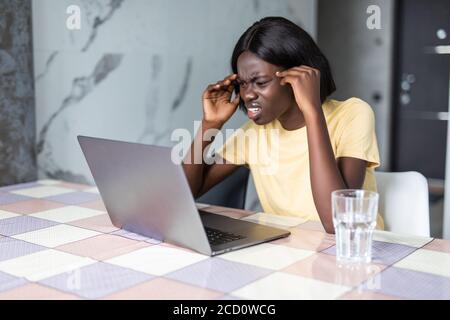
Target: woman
283, 81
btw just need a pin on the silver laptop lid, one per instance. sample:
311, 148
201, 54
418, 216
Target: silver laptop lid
145, 192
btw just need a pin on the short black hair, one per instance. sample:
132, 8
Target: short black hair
281, 42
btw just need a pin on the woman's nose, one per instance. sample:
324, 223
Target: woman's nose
249, 95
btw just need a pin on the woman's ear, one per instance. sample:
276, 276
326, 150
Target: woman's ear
241, 102
236, 86
288, 89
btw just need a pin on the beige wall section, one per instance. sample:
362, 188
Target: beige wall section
361, 59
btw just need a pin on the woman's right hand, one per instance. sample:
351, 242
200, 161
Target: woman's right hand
217, 104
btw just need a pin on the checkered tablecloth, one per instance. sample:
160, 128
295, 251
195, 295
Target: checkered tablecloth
57, 242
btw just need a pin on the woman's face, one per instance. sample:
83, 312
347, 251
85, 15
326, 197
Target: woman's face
260, 89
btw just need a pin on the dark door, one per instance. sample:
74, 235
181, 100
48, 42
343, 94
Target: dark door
422, 88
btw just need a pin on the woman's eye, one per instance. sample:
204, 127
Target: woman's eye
262, 83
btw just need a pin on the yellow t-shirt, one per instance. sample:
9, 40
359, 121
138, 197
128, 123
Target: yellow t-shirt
279, 160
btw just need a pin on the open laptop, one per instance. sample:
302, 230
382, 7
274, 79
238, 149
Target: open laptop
146, 193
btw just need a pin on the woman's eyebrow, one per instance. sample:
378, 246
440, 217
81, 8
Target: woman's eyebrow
253, 77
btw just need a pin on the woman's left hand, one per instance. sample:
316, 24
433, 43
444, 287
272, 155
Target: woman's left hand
305, 82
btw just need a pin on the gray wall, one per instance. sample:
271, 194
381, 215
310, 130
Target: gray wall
17, 115
361, 58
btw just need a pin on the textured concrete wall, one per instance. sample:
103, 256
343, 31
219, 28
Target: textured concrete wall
17, 115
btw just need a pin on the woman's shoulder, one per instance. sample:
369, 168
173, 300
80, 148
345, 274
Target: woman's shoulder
349, 109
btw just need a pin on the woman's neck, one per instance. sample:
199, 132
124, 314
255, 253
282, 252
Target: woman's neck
292, 119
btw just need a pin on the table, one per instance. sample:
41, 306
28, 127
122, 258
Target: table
57, 242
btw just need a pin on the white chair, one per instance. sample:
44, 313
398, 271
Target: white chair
404, 202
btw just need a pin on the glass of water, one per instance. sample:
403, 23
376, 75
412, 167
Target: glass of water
354, 219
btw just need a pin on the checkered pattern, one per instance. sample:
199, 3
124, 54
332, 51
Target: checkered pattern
57, 242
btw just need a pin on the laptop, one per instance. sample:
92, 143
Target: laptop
145, 192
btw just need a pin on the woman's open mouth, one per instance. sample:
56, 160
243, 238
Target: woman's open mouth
253, 111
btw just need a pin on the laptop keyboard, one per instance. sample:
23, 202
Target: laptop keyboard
217, 237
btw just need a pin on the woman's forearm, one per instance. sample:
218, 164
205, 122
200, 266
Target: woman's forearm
193, 164
324, 172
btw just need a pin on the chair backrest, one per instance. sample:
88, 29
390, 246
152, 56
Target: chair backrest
404, 202
230, 192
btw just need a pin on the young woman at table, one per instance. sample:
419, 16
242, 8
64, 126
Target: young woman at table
283, 82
